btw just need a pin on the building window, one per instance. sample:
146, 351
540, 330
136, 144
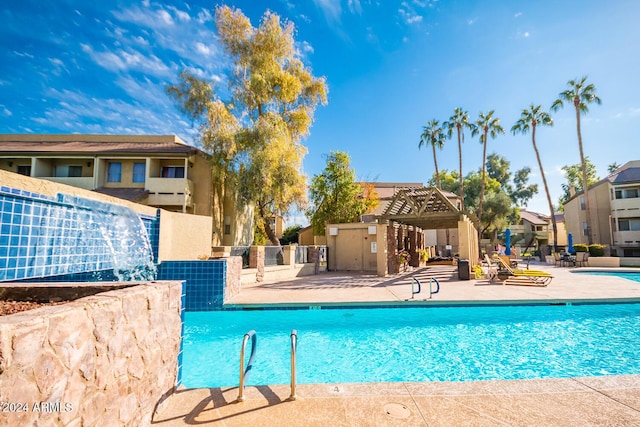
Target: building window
632, 224
227, 225
66, 171
139, 170
24, 170
631, 193
173, 171
583, 205
584, 228
114, 172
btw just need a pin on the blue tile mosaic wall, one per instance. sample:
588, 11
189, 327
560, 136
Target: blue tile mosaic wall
43, 237
204, 282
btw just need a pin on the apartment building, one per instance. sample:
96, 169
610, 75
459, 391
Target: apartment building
154, 170
614, 203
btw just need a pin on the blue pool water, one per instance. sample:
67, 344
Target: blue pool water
414, 344
623, 274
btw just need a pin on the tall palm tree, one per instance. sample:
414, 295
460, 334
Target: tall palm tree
433, 135
458, 121
580, 94
486, 126
529, 120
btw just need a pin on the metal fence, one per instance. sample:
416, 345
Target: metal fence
242, 251
273, 255
302, 254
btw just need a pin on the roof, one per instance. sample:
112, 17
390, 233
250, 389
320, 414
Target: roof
626, 174
534, 217
387, 190
424, 207
131, 194
93, 144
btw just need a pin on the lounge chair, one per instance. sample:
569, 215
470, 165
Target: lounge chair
492, 268
516, 276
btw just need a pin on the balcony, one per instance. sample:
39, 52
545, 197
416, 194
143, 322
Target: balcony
80, 182
169, 191
626, 238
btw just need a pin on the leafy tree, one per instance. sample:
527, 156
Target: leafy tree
529, 120
522, 193
458, 121
335, 195
580, 94
290, 235
254, 137
497, 213
613, 167
433, 135
573, 174
498, 168
486, 125
449, 180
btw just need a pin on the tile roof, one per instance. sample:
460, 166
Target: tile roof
626, 175
94, 144
534, 217
131, 194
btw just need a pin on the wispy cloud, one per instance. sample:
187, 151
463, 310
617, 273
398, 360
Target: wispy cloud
121, 60
408, 14
5, 111
471, 21
517, 15
331, 10
355, 6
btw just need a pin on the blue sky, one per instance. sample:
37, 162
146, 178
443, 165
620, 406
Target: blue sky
101, 67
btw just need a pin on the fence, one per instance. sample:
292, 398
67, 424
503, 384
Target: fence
302, 254
242, 251
273, 255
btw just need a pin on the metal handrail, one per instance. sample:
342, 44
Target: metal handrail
294, 346
244, 372
431, 291
413, 291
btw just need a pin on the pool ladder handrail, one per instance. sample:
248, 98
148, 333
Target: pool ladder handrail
294, 347
414, 280
244, 372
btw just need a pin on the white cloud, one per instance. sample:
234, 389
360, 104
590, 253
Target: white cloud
355, 6
23, 54
634, 112
204, 16
517, 15
121, 60
330, 8
408, 14
305, 47
471, 21
526, 34
203, 49
181, 15
6, 111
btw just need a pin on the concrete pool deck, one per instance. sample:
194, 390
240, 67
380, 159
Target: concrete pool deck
609, 400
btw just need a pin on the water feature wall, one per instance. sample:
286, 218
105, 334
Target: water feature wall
66, 237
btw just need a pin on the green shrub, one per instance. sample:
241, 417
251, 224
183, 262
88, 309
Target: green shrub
596, 250
580, 247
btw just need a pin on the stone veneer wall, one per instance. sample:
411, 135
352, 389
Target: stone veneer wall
107, 359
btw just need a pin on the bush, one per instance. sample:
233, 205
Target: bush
596, 250
580, 247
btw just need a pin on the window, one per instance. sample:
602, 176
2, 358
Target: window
24, 170
173, 171
631, 224
66, 171
583, 206
630, 193
584, 228
139, 172
114, 172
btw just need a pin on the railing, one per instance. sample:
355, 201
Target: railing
294, 346
273, 255
302, 254
244, 372
242, 251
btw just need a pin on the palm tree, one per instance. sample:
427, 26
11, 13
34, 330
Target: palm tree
486, 125
458, 121
530, 119
580, 94
432, 134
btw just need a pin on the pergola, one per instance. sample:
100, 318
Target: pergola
427, 208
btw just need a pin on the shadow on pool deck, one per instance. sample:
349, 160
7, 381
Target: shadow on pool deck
609, 400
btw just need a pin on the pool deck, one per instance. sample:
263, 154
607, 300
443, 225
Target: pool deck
589, 401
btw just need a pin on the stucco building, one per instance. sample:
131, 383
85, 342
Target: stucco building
155, 170
614, 204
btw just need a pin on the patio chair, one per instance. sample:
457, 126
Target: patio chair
515, 276
582, 258
557, 260
492, 268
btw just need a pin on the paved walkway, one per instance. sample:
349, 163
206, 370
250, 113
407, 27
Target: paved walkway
601, 401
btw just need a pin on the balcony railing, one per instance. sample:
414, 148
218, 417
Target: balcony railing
169, 191
81, 182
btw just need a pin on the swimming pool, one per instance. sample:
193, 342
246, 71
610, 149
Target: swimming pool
629, 275
414, 344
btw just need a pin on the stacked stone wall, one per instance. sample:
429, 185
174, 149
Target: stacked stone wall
107, 359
